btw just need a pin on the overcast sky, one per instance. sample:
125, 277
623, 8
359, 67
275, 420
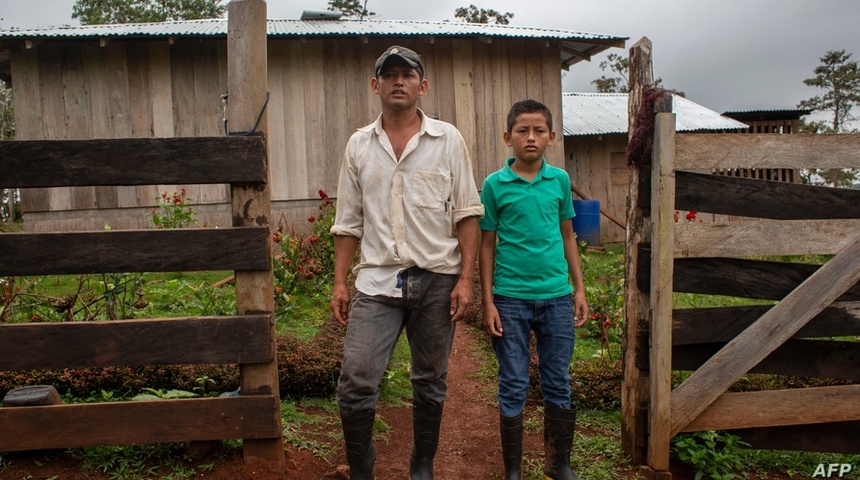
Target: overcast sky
724, 54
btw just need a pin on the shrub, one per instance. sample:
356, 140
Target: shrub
597, 384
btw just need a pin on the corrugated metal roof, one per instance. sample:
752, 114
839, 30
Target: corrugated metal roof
604, 113
576, 46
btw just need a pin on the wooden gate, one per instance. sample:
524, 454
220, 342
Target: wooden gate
246, 339
807, 332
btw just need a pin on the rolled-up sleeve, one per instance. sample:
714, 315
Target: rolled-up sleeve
467, 202
348, 218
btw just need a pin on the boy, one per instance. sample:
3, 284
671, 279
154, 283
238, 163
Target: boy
528, 253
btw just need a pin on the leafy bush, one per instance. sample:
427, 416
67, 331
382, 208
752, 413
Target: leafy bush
713, 455
597, 384
173, 211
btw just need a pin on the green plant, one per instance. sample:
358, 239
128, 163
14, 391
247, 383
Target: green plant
713, 455
160, 394
172, 211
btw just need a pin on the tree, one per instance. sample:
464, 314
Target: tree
9, 198
97, 12
350, 8
618, 84
840, 77
473, 14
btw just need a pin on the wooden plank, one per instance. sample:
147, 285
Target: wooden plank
763, 199
836, 437
464, 93
242, 339
77, 117
132, 161
662, 269
735, 277
763, 337
804, 358
122, 423
120, 251
763, 238
728, 150
721, 324
779, 408
251, 204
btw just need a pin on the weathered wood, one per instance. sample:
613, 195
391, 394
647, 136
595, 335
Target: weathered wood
636, 385
662, 239
763, 238
251, 203
721, 324
218, 340
32, 396
735, 277
726, 151
132, 161
763, 198
803, 358
161, 421
779, 408
119, 251
765, 335
837, 437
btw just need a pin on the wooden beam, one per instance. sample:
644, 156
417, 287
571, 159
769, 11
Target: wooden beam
662, 269
32, 346
132, 161
729, 150
123, 423
763, 337
835, 437
251, 204
120, 251
763, 238
779, 407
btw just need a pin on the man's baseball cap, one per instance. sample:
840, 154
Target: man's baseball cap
411, 58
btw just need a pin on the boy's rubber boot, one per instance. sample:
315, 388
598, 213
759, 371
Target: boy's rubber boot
511, 429
358, 439
426, 419
558, 427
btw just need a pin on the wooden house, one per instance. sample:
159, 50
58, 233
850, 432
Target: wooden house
595, 144
169, 80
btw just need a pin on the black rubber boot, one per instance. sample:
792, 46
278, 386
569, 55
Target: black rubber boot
512, 445
426, 418
558, 427
358, 439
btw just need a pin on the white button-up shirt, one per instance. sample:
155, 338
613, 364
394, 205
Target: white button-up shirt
405, 212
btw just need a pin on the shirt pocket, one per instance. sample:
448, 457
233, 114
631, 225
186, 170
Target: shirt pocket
430, 190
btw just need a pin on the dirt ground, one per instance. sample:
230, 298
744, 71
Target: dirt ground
469, 447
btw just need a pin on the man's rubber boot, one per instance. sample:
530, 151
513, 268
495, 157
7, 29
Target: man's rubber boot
511, 429
426, 418
358, 439
558, 427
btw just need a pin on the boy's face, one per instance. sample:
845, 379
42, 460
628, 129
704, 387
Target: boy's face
529, 137
398, 85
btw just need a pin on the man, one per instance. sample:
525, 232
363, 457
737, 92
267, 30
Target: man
406, 193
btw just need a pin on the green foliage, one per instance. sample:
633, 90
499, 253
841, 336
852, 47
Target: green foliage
473, 14
350, 8
619, 66
165, 461
97, 12
597, 383
173, 211
713, 455
839, 76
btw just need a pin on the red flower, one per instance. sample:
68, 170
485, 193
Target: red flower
691, 215
322, 194
312, 219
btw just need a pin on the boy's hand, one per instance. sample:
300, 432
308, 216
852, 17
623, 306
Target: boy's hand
492, 320
340, 304
580, 308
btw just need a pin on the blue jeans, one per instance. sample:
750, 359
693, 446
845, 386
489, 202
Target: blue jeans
375, 325
552, 322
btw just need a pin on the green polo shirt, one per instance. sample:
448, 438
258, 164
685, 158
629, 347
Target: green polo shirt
525, 215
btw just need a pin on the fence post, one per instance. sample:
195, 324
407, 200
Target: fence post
251, 203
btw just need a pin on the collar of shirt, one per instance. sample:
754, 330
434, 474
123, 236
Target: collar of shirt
428, 126
509, 175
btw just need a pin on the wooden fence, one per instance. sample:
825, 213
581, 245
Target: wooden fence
246, 339
806, 330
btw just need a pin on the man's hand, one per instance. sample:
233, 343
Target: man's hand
340, 304
461, 297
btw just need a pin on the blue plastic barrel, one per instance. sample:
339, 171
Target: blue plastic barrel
586, 223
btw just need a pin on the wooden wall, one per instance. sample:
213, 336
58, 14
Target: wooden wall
320, 94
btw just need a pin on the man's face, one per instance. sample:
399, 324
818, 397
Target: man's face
529, 137
398, 85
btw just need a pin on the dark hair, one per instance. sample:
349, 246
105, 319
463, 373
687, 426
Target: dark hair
528, 106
